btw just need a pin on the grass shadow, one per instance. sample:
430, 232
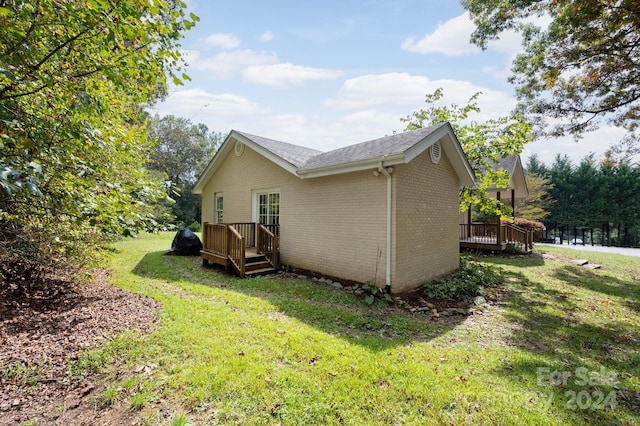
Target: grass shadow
598, 282
569, 334
333, 311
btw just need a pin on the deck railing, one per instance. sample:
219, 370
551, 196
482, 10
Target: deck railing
275, 228
519, 237
237, 254
215, 237
489, 233
226, 243
248, 231
479, 232
268, 245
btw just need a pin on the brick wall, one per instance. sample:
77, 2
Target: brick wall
426, 221
336, 225
333, 225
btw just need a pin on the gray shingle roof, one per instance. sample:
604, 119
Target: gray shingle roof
311, 158
376, 148
294, 154
309, 163
508, 163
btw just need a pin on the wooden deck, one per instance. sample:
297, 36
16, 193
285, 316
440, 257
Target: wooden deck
489, 236
248, 248
483, 244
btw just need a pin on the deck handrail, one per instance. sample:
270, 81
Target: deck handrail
274, 228
268, 245
479, 232
518, 236
237, 249
247, 230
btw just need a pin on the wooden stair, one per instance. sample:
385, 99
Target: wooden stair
257, 264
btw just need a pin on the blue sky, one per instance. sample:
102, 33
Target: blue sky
333, 73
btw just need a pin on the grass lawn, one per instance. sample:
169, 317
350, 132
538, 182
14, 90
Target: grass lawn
562, 347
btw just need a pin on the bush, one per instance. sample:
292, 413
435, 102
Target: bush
195, 227
376, 295
469, 281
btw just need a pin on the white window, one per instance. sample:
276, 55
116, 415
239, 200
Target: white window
266, 208
219, 208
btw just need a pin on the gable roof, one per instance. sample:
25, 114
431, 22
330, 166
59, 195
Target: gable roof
377, 148
517, 181
387, 151
294, 154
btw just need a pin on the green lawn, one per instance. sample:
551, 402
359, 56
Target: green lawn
561, 348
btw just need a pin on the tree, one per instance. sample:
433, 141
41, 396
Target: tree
181, 152
535, 167
484, 143
562, 192
74, 78
582, 69
536, 205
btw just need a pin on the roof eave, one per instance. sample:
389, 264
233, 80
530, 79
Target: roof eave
356, 166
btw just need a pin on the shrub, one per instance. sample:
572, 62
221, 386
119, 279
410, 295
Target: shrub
376, 295
467, 282
195, 227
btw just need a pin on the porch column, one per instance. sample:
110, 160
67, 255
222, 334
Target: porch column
513, 203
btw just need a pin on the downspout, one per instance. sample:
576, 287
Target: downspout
384, 171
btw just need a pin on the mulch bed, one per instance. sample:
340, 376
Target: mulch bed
43, 333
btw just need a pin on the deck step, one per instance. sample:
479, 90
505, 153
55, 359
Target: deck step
261, 271
257, 265
256, 258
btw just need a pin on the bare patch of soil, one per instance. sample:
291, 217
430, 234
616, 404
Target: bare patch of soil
42, 333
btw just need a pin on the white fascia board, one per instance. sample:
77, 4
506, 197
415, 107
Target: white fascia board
452, 148
368, 164
424, 144
267, 154
225, 149
523, 189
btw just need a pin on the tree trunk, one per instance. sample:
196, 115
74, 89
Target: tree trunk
619, 242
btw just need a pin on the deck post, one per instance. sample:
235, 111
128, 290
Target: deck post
205, 235
499, 231
469, 222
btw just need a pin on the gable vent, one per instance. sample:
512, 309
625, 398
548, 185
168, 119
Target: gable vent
436, 152
239, 148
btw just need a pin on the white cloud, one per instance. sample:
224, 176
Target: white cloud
284, 74
450, 38
378, 90
223, 40
199, 104
228, 64
267, 36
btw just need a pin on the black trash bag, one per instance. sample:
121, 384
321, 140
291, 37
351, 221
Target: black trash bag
185, 243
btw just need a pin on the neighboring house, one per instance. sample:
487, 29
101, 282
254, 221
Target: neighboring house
500, 236
384, 211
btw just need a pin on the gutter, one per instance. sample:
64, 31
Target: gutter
368, 164
387, 174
